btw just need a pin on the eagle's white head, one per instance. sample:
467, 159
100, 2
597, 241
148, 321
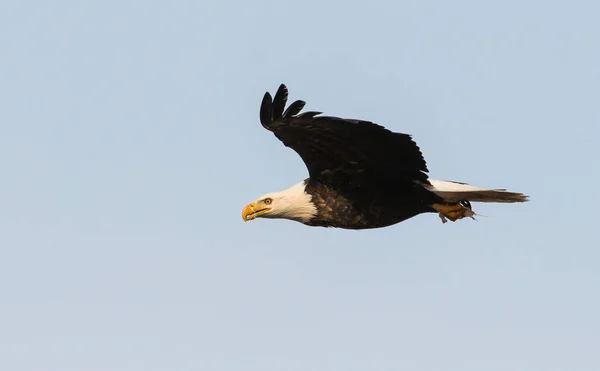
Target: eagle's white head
293, 203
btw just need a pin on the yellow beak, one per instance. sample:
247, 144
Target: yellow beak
250, 212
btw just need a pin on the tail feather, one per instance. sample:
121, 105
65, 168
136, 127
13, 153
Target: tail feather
455, 192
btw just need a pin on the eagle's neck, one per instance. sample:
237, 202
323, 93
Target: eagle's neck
296, 204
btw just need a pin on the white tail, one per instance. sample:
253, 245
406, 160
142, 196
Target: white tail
455, 192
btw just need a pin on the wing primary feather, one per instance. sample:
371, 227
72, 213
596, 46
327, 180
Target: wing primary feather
266, 111
279, 102
294, 109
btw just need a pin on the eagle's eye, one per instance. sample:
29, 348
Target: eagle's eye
267, 201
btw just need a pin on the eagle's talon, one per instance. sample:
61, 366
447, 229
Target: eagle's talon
453, 212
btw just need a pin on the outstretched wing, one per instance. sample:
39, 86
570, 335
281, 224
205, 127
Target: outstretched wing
327, 144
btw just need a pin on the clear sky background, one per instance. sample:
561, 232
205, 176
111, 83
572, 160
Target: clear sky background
130, 141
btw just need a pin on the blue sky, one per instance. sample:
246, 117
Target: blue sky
130, 141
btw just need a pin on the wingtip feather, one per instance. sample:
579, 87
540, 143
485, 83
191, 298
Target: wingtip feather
279, 102
294, 109
266, 110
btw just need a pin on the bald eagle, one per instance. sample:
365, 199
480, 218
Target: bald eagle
361, 175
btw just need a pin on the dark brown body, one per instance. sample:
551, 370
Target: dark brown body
374, 207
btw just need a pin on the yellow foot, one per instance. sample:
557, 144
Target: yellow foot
454, 211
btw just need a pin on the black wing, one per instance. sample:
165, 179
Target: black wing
327, 144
